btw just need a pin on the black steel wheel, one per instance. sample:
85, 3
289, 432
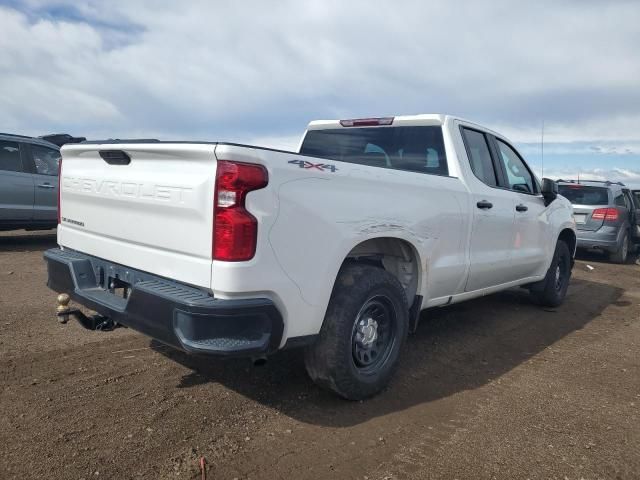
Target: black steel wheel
373, 335
551, 291
364, 328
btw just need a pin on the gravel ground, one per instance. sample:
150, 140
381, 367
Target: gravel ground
492, 388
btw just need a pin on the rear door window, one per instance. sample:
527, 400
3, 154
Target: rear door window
480, 156
46, 160
584, 195
10, 156
415, 149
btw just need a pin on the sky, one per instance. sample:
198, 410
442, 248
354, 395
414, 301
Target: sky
258, 72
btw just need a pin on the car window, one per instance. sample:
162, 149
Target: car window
480, 156
45, 159
10, 156
518, 175
584, 195
415, 149
636, 195
619, 200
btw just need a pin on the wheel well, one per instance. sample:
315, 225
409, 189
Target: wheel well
568, 236
396, 256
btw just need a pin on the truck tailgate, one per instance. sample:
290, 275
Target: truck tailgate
154, 213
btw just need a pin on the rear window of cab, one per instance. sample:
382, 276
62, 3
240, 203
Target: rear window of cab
414, 149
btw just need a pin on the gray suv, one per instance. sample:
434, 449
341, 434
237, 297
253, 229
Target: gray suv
607, 216
28, 183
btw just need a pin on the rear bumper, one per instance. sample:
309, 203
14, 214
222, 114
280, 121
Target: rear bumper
170, 312
605, 238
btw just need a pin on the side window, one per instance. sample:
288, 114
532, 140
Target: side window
518, 175
619, 201
10, 156
480, 156
45, 159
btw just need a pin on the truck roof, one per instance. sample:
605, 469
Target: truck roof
423, 119
404, 120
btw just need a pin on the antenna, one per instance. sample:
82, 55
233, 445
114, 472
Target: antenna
542, 149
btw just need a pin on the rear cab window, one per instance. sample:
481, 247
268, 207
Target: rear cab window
413, 148
584, 194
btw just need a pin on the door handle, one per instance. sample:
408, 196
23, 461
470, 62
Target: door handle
484, 205
522, 208
46, 185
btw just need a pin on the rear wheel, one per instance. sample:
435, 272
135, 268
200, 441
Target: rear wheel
551, 291
365, 326
620, 255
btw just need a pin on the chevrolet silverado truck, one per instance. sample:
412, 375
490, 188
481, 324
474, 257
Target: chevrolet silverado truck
227, 249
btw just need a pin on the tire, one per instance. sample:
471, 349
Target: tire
364, 329
551, 291
621, 255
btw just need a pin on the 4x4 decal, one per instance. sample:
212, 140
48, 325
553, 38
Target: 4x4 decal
323, 167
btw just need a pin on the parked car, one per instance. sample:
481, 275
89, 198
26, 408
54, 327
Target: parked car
226, 249
61, 139
607, 217
28, 183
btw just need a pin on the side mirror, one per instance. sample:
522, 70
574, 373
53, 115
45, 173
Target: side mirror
549, 190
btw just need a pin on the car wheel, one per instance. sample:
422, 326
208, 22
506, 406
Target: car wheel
551, 291
620, 256
364, 329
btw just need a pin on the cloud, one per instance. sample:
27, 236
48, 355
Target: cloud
585, 148
265, 69
628, 177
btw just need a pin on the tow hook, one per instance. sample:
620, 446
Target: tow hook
92, 322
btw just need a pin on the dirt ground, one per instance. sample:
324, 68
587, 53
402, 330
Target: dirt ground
492, 388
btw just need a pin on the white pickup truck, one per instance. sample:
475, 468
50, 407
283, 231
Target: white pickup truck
226, 249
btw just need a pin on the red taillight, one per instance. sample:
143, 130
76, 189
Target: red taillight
367, 122
235, 230
59, 187
606, 214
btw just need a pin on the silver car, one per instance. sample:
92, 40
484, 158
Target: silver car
28, 183
607, 216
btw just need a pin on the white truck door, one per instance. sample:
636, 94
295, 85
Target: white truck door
531, 228
490, 246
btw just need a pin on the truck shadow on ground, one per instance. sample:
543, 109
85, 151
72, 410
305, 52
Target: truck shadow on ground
27, 241
456, 348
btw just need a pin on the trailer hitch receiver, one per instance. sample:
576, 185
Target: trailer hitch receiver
92, 322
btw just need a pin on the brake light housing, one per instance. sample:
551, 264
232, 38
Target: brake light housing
606, 214
235, 230
367, 122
